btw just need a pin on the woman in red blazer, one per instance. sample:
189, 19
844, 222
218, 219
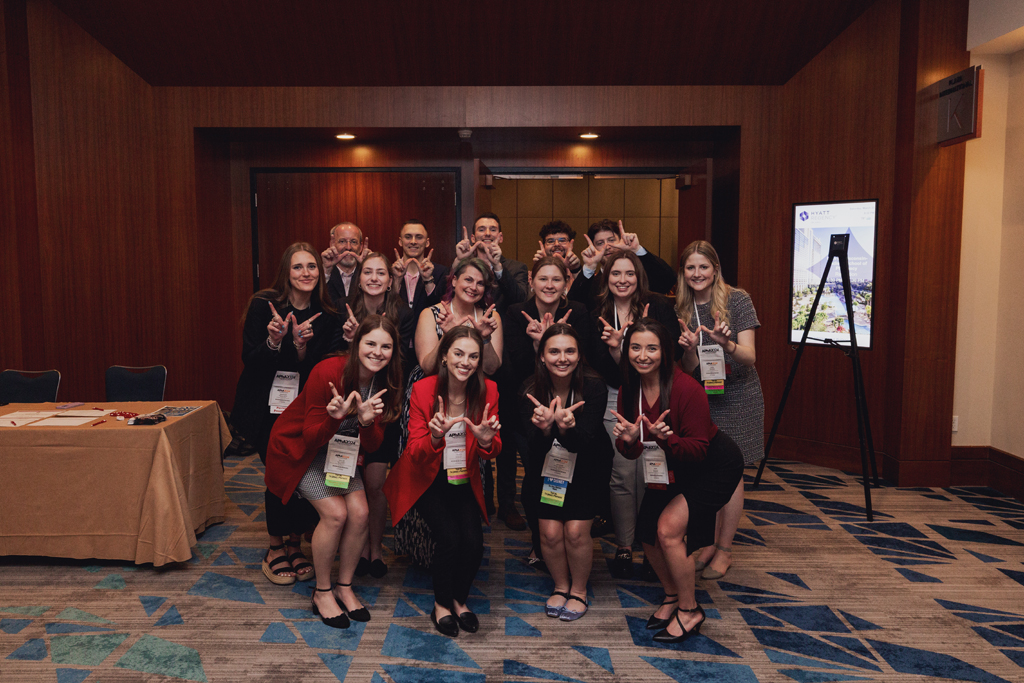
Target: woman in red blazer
453, 424
317, 447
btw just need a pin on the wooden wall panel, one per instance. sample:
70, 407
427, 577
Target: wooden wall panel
303, 206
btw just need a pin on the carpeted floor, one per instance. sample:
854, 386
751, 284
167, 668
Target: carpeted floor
934, 587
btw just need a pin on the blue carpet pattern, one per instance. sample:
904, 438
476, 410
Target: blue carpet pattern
932, 588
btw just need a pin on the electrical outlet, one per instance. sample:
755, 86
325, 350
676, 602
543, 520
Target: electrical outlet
956, 422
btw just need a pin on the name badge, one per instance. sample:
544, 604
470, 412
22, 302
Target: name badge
559, 463
613, 404
712, 362
553, 491
455, 455
655, 464
342, 458
283, 391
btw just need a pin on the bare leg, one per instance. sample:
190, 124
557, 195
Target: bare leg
374, 475
326, 539
727, 521
656, 557
580, 551
352, 541
671, 529
552, 546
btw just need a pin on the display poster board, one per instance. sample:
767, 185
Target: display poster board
813, 227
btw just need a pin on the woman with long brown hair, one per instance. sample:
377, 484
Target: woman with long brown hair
453, 425
287, 329
317, 447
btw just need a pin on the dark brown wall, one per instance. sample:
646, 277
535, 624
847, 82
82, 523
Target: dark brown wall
144, 261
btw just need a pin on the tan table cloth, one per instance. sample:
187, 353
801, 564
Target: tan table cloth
112, 491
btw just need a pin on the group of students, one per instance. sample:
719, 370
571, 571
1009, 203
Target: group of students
618, 404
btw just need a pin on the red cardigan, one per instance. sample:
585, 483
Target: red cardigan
415, 471
690, 420
305, 427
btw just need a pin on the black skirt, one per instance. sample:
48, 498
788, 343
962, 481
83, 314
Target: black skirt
707, 486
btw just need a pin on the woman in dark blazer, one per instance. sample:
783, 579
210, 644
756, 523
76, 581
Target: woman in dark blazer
288, 328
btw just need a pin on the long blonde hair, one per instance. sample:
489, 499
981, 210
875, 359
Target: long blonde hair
720, 291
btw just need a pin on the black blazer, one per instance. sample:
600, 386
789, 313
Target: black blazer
519, 345
600, 356
336, 289
421, 299
514, 285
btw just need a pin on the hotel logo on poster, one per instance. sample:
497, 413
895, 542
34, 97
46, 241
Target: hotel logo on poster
813, 226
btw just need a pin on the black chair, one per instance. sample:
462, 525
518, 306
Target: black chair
29, 386
126, 383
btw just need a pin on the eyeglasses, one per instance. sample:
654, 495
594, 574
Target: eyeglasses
551, 241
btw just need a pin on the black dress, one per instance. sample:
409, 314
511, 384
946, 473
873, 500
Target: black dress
586, 494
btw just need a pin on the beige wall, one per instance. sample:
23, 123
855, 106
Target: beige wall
646, 206
989, 386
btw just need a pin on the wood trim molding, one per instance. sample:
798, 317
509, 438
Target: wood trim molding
988, 466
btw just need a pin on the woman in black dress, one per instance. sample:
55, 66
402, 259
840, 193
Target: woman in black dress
568, 460
288, 329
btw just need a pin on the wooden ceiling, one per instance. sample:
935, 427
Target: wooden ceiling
464, 42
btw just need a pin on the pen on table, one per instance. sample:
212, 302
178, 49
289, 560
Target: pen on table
98, 423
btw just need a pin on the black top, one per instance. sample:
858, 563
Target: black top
660, 278
251, 413
600, 356
513, 286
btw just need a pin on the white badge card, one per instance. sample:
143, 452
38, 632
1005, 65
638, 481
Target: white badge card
559, 463
613, 404
455, 447
655, 463
342, 457
283, 391
712, 362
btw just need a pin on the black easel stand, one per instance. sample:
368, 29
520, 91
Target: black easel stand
838, 247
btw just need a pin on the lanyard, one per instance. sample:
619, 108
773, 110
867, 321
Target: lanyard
697, 313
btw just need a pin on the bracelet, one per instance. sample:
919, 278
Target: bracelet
734, 347
271, 345
364, 426
487, 340
300, 348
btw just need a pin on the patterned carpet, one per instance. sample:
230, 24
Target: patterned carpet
934, 587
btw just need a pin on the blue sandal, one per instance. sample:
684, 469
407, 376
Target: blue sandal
571, 614
555, 612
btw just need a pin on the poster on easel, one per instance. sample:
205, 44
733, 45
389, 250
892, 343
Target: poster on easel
813, 227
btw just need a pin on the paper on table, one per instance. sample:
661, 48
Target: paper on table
84, 413
7, 422
64, 421
29, 414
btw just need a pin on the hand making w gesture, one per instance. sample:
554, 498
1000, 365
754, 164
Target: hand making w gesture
368, 410
628, 431
720, 334
339, 407
487, 323
441, 423
543, 416
688, 340
658, 430
277, 328
485, 431
564, 417
301, 334
592, 255
348, 331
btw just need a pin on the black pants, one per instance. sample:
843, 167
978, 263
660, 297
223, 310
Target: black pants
452, 514
297, 517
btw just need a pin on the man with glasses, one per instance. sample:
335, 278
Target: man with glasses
558, 239
340, 260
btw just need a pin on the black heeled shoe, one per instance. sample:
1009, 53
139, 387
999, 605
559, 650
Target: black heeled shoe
340, 621
664, 636
362, 614
654, 623
468, 622
448, 626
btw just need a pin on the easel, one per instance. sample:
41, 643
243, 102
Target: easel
838, 247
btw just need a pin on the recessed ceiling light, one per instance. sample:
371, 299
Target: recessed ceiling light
588, 136
345, 136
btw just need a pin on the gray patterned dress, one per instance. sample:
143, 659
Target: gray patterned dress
739, 412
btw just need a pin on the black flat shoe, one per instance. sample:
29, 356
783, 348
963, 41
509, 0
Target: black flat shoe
363, 568
448, 626
362, 614
656, 624
664, 636
468, 622
340, 621
378, 569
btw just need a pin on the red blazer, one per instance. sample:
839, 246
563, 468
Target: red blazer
305, 426
415, 471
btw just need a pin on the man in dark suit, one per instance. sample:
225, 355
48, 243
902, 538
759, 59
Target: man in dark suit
512, 288
340, 260
421, 282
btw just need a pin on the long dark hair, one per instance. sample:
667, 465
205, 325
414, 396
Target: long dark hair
280, 292
390, 377
476, 389
542, 387
631, 378
606, 300
357, 299
488, 298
